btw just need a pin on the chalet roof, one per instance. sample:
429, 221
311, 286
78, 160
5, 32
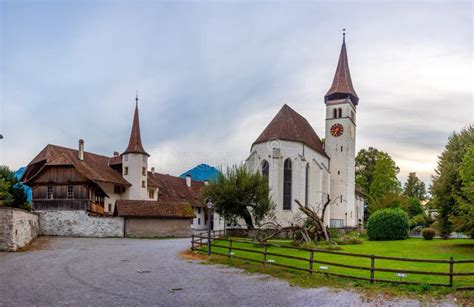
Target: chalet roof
342, 84
174, 189
290, 126
94, 167
135, 142
143, 208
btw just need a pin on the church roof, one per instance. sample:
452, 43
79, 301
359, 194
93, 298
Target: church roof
135, 142
288, 125
342, 84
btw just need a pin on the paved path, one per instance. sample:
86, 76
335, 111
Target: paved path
132, 272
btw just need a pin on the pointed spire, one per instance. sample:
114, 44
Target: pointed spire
342, 84
135, 143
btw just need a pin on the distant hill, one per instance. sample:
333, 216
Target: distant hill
202, 172
18, 174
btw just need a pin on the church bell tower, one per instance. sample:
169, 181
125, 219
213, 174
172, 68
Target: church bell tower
341, 101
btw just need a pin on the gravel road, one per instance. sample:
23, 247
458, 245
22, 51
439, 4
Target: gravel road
137, 272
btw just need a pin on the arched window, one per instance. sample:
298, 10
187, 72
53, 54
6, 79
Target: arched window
287, 185
306, 187
265, 168
340, 112
334, 113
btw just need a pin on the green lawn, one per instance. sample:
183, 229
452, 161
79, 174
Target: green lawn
412, 248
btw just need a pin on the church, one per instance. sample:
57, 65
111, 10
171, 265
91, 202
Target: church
299, 165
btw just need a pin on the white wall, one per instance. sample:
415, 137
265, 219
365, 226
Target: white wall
300, 156
200, 216
135, 163
17, 228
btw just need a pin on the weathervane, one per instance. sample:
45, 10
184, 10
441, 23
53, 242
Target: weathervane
136, 98
344, 34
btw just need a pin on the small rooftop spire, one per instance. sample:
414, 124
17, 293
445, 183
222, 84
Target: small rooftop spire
135, 142
342, 87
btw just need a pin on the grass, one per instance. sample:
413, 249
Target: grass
412, 248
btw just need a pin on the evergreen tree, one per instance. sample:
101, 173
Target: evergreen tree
12, 193
414, 187
384, 177
447, 188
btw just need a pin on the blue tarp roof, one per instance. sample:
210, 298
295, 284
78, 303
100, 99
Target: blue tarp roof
18, 174
202, 172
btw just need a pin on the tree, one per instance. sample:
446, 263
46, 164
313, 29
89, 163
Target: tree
414, 187
464, 221
365, 167
12, 193
240, 194
384, 178
315, 224
447, 188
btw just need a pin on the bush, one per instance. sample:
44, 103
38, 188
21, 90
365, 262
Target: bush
346, 240
418, 220
428, 233
388, 224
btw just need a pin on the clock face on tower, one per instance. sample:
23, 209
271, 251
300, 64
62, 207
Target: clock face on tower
337, 130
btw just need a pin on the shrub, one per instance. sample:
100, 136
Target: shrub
388, 224
347, 240
428, 233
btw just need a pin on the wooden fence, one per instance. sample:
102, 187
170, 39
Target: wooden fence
198, 241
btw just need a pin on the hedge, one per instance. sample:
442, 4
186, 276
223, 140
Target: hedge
388, 224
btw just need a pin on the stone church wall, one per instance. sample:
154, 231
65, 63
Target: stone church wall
17, 228
79, 224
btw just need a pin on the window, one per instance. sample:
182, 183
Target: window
334, 113
265, 168
117, 189
151, 194
144, 171
340, 112
341, 149
352, 116
144, 158
336, 223
50, 192
199, 221
70, 192
99, 200
199, 210
110, 207
125, 158
143, 184
306, 187
125, 170
287, 185
338, 172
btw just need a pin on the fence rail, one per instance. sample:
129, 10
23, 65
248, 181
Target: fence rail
197, 242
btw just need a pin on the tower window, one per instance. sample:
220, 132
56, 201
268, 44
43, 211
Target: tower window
287, 185
143, 184
338, 172
144, 171
340, 112
352, 116
334, 113
125, 158
125, 170
144, 158
341, 149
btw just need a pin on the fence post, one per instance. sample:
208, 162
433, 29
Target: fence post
451, 270
192, 242
372, 268
230, 247
311, 257
265, 253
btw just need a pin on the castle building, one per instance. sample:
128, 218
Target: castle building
299, 165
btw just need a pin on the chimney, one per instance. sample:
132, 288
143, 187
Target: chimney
206, 182
81, 150
188, 180
153, 170
116, 153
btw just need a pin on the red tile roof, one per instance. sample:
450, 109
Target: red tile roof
94, 167
135, 142
290, 126
342, 84
174, 189
143, 208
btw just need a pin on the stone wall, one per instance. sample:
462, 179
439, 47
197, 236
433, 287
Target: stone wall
78, 224
17, 228
157, 227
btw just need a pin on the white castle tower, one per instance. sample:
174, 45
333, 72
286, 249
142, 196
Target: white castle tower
135, 162
341, 101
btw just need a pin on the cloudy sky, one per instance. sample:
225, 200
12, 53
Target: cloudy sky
212, 74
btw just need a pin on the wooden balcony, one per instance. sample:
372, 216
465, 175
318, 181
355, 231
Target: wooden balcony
68, 204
